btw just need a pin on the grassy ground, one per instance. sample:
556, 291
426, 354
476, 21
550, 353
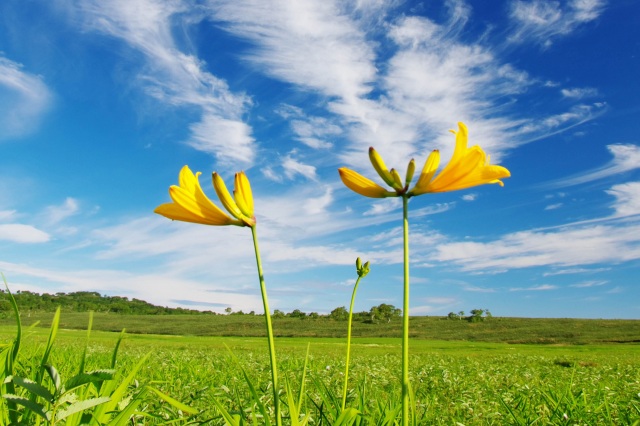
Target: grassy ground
497, 329
455, 382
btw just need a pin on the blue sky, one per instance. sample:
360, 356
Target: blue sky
103, 101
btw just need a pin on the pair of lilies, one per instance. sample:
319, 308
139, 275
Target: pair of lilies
468, 167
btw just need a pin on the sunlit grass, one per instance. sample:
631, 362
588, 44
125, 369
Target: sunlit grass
455, 381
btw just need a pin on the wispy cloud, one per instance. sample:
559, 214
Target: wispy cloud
579, 93
23, 234
553, 206
626, 157
627, 199
542, 21
175, 77
542, 287
567, 247
24, 99
587, 284
56, 214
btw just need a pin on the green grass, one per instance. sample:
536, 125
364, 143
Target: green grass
497, 329
465, 382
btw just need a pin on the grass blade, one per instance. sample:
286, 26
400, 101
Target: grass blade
80, 406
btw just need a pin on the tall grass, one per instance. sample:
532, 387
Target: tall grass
469, 383
34, 390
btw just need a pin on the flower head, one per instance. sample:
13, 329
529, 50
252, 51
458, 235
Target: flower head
190, 204
467, 168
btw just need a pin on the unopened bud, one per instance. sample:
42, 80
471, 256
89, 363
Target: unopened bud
411, 169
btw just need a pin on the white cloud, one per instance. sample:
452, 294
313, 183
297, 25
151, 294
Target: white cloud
587, 284
553, 206
19, 233
56, 214
576, 271
579, 93
569, 246
173, 76
313, 44
24, 99
7, 214
542, 287
469, 197
293, 167
542, 21
626, 157
627, 199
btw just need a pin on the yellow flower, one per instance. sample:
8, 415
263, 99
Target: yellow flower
190, 204
468, 167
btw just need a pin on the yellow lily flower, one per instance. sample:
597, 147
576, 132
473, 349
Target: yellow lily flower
468, 167
190, 204
242, 207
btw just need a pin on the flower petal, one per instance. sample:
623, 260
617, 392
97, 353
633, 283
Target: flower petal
225, 197
363, 186
243, 195
429, 169
199, 206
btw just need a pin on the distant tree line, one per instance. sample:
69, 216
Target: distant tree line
83, 301
476, 315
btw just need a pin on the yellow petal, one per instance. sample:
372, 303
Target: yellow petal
199, 206
243, 194
429, 169
225, 198
411, 169
396, 179
363, 186
381, 168
175, 212
468, 167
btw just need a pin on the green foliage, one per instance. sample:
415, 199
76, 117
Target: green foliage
94, 397
85, 301
339, 314
384, 312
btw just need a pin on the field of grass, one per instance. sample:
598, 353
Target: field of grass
497, 329
459, 376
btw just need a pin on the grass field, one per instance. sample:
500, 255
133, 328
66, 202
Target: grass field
497, 329
459, 376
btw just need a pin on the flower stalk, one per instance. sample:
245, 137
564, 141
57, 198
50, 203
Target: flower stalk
190, 204
468, 167
267, 316
362, 271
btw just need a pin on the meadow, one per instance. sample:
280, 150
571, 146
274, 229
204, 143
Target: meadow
489, 373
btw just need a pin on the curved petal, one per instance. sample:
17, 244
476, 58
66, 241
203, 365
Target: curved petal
225, 198
175, 212
202, 208
429, 169
243, 195
363, 186
378, 163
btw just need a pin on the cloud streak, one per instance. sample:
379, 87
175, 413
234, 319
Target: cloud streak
24, 99
174, 77
626, 157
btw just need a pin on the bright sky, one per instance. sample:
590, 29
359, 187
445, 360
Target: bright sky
103, 101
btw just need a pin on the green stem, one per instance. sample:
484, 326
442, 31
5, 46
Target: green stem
405, 314
346, 370
267, 316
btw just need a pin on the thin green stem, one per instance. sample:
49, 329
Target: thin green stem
267, 316
405, 314
346, 369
